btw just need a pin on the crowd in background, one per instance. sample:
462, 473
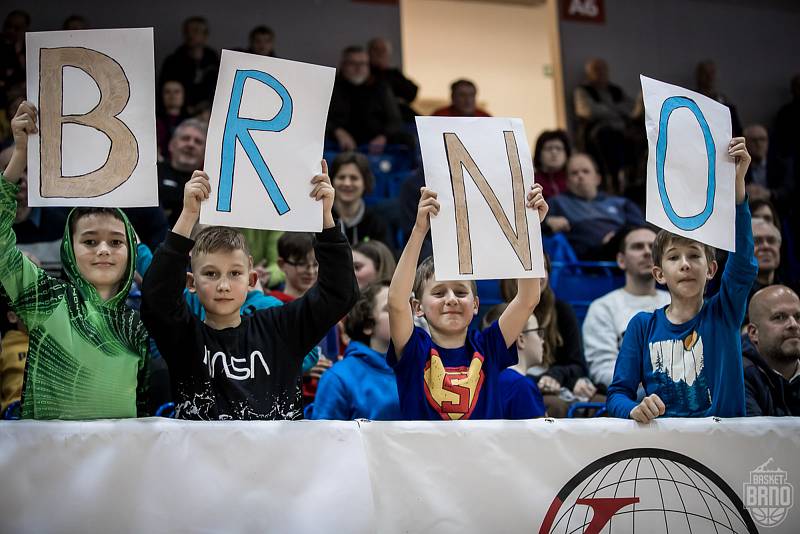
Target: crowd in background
593, 179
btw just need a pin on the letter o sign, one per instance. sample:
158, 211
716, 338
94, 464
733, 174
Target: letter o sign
695, 221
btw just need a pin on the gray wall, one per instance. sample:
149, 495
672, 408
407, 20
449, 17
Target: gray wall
314, 31
756, 45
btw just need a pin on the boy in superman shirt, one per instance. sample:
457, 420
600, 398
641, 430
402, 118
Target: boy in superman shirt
451, 373
688, 355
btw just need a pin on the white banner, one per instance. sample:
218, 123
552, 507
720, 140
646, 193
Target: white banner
600, 475
690, 176
265, 141
482, 171
96, 144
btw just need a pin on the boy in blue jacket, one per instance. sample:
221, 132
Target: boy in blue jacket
688, 355
362, 385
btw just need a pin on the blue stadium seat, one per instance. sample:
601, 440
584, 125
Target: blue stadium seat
579, 283
598, 407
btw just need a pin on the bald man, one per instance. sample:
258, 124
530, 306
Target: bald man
772, 359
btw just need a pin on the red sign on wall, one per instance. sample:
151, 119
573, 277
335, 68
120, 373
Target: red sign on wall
592, 11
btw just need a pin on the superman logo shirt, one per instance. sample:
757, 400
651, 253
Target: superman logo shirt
436, 383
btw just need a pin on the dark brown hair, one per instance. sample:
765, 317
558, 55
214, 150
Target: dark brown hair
665, 238
361, 317
360, 161
380, 255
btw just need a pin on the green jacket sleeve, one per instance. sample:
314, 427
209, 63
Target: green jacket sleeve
28, 287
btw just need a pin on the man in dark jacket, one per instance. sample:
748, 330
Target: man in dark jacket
772, 358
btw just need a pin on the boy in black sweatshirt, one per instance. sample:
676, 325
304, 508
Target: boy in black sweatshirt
231, 366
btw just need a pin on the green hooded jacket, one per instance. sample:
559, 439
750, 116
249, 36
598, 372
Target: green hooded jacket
88, 358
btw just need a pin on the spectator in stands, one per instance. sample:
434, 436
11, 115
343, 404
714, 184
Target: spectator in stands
373, 263
764, 209
787, 131
38, 230
769, 177
186, 152
263, 246
562, 376
298, 262
170, 112
687, 356
262, 41
13, 355
75, 22
380, 65
603, 111
352, 179
767, 246
521, 398
463, 101
772, 359
363, 109
706, 79
193, 64
362, 385
608, 316
592, 221
550, 157
12, 49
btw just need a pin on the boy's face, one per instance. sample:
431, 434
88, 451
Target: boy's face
221, 280
380, 314
101, 250
301, 273
448, 306
530, 343
684, 269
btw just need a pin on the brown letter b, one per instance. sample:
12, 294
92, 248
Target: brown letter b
114, 94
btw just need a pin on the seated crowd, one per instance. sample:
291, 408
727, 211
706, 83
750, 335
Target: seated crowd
113, 313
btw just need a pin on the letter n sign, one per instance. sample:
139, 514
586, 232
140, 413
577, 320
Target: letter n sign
238, 129
458, 160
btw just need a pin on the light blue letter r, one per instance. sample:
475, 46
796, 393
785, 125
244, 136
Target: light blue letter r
239, 128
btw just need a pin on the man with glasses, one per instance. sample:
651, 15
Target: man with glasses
297, 261
363, 110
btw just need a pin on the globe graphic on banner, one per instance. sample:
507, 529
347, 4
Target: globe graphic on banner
647, 490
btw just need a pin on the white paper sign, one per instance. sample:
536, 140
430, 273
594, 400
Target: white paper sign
265, 143
481, 169
96, 144
690, 176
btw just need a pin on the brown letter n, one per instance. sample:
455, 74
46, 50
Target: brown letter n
458, 159
114, 94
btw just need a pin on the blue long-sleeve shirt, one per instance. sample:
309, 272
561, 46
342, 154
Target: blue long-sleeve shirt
694, 367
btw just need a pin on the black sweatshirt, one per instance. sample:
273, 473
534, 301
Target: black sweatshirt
251, 371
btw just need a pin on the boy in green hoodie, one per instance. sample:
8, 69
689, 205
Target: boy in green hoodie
88, 352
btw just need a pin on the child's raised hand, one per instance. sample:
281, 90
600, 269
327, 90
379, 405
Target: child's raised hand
323, 190
651, 407
428, 207
195, 192
536, 201
23, 124
738, 150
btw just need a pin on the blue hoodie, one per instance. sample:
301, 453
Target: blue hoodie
361, 386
